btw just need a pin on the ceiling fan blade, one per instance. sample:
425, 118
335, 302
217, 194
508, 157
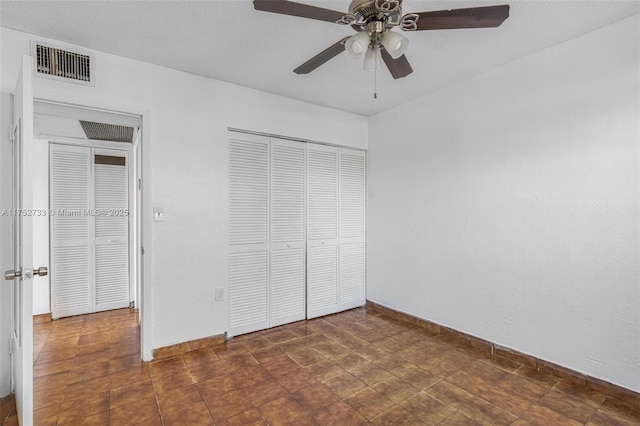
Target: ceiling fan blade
297, 9
322, 57
398, 67
474, 17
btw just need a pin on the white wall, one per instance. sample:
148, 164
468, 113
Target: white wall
507, 207
189, 116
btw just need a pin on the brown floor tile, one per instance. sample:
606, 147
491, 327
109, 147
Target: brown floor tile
396, 389
193, 414
426, 408
127, 394
540, 415
248, 418
167, 367
283, 411
199, 356
280, 365
88, 372
265, 391
138, 412
177, 398
139, 373
306, 356
514, 394
339, 413
324, 370
99, 419
294, 382
581, 393
46, 416
216, 386
459, 419
371, 374
621, 409
226, 405
369, 403
604, 418
175, 381
315, 397
350, 361
485, 413
397, 416
542, 379
73, 411
344, 384
568, 406
449, 394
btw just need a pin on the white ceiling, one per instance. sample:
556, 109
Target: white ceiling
230, 41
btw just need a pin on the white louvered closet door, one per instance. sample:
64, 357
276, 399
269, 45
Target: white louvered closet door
352, 175
71, 237
287, 266
248, 234
111, 203
322, 230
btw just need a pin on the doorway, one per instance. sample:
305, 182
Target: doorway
91, 237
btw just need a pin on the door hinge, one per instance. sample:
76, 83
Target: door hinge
131, 304
142, 250
139, 184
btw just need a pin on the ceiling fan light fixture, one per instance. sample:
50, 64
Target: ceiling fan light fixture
372, 59
396, 44
357, 44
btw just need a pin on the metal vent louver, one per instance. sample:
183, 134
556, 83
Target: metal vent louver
107, 132
61, 63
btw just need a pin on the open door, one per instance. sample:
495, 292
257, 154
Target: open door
21, 276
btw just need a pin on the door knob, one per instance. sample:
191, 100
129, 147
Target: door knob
13, 274
41, 271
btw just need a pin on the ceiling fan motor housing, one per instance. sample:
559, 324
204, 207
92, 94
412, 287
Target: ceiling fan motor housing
387, 12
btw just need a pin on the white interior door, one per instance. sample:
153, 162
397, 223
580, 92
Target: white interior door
322, 230
71, 241
248, 234
111, 228
352, 176
287, 229
22, 275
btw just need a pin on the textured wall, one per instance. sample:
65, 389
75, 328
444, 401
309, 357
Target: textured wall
507, 207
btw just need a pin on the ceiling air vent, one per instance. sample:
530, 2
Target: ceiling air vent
57, 63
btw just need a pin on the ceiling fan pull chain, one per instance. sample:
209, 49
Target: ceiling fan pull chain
375, 81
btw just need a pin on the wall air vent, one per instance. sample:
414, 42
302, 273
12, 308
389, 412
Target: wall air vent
107, 132
62, 64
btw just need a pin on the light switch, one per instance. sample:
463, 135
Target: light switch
158, 214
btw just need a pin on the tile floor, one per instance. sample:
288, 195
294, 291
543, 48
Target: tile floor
352, 368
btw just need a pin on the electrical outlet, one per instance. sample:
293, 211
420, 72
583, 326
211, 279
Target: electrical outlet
219, 294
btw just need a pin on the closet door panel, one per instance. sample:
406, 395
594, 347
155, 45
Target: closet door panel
352, 186
322, 276
70, 228
322, 225
248, 234
111, 197
287, 228
248, 284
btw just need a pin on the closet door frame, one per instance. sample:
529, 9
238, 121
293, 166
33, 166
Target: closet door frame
308, 244
134, 186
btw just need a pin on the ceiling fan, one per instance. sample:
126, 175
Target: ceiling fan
373, 21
